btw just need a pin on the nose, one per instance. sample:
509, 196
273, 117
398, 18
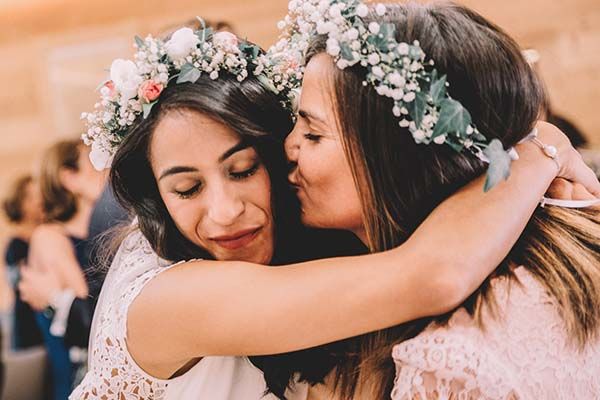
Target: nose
292, 145
224, 205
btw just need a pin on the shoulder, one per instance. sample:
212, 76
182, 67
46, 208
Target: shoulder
46, 232
455, 358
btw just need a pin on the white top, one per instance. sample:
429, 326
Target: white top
524, 353
113, 374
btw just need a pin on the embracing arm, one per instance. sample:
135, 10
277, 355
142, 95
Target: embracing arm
209, 307
52, 251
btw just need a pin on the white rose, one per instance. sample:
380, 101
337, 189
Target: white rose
126, 78
182, 42
100, 157
362, 10
225, 40
352, 34
380, 10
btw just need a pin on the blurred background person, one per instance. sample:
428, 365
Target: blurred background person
23, 208
70, 188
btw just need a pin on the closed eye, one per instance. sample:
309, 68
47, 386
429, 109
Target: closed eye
188, 193
312, 137
245, 174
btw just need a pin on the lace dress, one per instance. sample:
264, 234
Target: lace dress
523, 354
113, 374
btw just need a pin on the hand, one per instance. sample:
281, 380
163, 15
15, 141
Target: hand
38, 288
572, 166
562, 189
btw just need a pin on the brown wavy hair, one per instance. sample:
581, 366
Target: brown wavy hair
13, 202
405, 181
59, 203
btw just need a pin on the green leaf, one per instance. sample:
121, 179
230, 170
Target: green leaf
139, 42
147, 108
204, 34
438, 90
416, 108
388, 31
188, 73
267, 83
249, 50
346, 52
455, 146
500, 161
453, 118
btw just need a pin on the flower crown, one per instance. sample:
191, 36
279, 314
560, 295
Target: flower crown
399, 71
135, 86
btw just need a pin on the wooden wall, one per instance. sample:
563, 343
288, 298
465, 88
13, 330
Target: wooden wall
54, 53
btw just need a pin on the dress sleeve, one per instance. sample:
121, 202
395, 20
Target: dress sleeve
443, 365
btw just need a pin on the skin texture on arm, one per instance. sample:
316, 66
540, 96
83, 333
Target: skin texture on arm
236, 308
52, 251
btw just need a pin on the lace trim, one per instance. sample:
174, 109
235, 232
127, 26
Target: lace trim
114, 374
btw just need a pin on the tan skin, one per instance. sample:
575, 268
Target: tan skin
322, 172
219, 300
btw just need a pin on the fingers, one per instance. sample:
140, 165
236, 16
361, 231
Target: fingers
561, 189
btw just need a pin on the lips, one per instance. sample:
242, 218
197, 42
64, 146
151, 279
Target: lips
237, 240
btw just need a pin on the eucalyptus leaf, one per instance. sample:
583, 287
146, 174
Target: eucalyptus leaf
416, 108
139, 42
455, 146
147, 108
499, 168
388, 31
188, 73
250, 50
346, 52
267, 83
453, 118
438, 90
204, 34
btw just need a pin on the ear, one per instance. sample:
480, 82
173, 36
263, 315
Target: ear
69, 179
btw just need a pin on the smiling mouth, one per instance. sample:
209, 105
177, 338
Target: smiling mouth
237, 240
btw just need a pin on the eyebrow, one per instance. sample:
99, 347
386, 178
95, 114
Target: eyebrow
313, 116
242, 145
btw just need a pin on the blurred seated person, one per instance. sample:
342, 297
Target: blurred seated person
23, 208
70, 188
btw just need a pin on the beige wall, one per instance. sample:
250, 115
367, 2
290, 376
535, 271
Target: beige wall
53, 54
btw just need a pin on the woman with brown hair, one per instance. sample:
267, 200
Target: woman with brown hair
531, 330
70, 187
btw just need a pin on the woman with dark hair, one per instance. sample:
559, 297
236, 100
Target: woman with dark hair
531, 329
197, 135
23, 208
70, 186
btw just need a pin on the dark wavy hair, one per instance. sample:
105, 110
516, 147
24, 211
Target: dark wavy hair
258, 116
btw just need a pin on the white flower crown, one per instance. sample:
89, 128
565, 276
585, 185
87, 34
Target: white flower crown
135, 86
398, 71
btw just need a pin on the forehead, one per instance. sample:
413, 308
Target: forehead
317, 80
189, 138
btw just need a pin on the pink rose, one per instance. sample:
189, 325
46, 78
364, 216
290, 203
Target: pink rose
225, 40
149, 91
108, 89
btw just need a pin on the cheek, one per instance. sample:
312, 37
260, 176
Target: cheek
184, 213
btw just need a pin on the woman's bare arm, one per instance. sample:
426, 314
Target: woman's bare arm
233, 308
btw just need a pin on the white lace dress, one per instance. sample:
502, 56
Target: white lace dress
113, 374
525, 354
